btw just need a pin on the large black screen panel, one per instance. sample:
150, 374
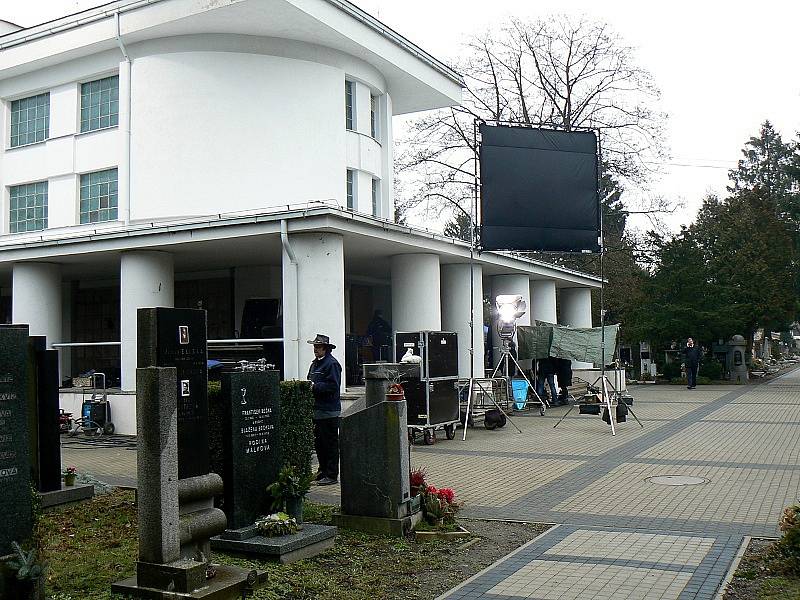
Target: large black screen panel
538, 190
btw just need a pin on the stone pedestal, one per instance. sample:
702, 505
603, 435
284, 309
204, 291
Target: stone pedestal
311, 540
66, 494
176, 517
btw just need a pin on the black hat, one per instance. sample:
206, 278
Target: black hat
322, 340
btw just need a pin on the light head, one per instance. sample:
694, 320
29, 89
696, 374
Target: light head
510, 307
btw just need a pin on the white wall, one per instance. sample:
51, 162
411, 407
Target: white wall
233, 131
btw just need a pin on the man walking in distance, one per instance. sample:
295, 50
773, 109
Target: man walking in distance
693, 356
325, 375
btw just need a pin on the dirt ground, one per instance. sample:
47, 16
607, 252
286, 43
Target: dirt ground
756, 577
495, 539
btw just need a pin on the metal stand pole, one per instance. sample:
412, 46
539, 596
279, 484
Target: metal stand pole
473, 214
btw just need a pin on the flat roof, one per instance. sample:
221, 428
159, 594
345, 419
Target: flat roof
337, 24
220, 240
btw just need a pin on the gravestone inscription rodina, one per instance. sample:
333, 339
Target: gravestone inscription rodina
176, 337
252, 443
15, 458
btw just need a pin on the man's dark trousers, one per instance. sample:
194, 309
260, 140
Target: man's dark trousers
691, 375
326, 445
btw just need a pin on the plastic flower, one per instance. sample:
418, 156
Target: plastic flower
432, 490
446, 494
70, 471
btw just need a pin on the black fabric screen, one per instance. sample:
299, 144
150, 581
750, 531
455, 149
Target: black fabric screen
538, 190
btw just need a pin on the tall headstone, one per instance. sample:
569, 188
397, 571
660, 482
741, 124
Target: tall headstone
251, 438
15, 456
247, 422
176, 337
375, 465
47, 412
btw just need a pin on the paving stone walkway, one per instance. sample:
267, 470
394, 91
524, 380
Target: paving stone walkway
620, 535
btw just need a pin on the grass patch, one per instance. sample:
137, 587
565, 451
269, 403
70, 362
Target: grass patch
92, 544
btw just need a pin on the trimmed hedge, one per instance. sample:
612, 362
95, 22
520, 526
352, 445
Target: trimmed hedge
297, 433
712, 369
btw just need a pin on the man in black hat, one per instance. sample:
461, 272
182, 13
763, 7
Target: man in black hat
325, 375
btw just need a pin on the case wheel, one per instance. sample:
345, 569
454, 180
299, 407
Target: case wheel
430, 437
450, 431
109, 428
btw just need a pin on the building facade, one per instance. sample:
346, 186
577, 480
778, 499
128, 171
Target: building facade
181, 153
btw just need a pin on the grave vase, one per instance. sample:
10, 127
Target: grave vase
69, 479
294, 508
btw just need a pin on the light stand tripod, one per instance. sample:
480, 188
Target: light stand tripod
506, 357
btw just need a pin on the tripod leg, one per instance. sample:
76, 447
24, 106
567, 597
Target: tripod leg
564, 417
611, 415
542, 401
469, 406
635, 417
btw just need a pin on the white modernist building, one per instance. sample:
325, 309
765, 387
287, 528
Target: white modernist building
187, 153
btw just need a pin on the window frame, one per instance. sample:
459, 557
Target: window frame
45, 118
350, 121
350, 193
13, 225
374, 112
376, 189
113, 117
112, 196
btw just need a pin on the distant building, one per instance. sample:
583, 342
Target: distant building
185, 153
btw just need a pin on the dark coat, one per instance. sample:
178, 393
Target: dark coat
546, 366
563, 371
326, 373
693, 356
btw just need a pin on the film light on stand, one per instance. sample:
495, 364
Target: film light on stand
510, 307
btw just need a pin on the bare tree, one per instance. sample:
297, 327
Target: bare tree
559, 72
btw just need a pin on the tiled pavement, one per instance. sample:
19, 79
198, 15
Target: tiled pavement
620, 535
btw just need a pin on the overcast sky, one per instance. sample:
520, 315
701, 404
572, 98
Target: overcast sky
723, 66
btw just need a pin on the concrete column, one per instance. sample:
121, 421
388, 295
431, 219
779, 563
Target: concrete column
313, 299
576, 311
456, 313
36, 299
509, 284
416, 300
147, 280
543, 300
576, 307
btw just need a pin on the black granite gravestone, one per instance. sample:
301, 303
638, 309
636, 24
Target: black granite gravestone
251, 438
47, 413
15, 462
176, 337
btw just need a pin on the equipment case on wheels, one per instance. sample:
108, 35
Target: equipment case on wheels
433, 398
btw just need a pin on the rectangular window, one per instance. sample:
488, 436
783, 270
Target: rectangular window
349, 105
373, 109
99, 196
30, 120
100, 103
375, 195
350, 190
28, 207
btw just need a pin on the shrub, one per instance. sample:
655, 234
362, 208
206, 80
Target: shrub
297, 435
789, 544
671, 370
712, 369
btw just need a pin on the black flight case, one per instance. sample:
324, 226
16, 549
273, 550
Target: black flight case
433, 398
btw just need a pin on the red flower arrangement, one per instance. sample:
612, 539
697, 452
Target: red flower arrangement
439, 506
